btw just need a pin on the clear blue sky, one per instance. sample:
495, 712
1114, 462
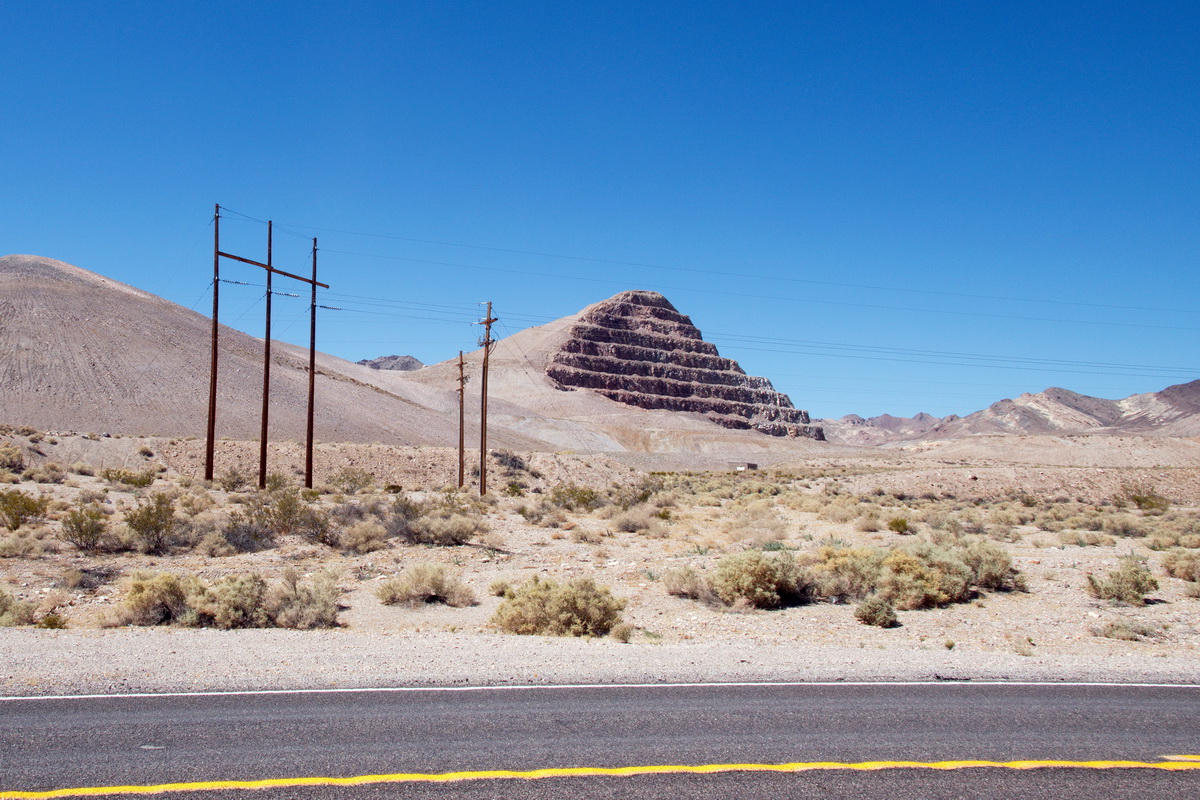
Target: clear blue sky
843, 196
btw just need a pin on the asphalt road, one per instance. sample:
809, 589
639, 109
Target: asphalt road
48, 744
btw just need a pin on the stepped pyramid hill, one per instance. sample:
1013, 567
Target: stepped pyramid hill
636, 348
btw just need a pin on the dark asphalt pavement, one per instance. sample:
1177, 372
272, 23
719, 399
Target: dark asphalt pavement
54, 744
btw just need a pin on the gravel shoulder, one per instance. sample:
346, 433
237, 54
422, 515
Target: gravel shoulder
173, 660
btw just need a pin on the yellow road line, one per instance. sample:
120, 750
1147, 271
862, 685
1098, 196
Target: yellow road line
1183, 763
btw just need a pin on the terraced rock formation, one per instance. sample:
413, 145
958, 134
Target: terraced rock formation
636, 348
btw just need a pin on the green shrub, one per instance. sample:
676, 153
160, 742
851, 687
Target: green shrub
425, 583
236, 601
544, 607
152, 523
156, 599
18, 508
1128, 583
876, 611
52, 621
899, 525
85, 527
759, 580
13, 611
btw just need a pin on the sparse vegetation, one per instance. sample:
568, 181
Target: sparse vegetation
545, 607
13, 611
425, 583
1128, 583
876, 611
18, 508
86, 527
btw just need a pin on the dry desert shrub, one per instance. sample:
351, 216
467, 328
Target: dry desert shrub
363, 537
876, 611
18, 508
13, 611
304, 603
1146, 498
685, 581
1086, 539
425, 583
545, 607
760, 581
352, 480
1128, 583
1125, 525
756, 522
48, 472
543, 514
128, 478
1182, 564
843, 573
445, 520
11, 457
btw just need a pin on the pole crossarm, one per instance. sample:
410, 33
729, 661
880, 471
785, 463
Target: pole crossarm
273, 269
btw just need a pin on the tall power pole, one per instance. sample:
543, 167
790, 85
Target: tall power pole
312, 374
462, 389
487, 349
266, 394
210, 446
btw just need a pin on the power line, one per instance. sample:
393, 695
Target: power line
754, 276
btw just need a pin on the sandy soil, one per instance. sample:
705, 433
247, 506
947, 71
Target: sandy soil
1046, 633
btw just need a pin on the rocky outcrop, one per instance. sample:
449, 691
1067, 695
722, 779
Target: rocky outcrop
401, 363
636, 348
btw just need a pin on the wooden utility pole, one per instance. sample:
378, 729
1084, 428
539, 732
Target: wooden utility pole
210, 446
266, 393
487, 349
462, 388
312, 374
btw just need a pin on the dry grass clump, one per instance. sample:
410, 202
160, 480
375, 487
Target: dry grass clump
545, 607
11, 457
1182, 564
425, 583
49, 472
685, 581
29, 542
128, 478
363, 537
543, 514
234, 601
1128, 583
1086, 539
1126, 631
756, 522
352, 480
13, 611
446, 520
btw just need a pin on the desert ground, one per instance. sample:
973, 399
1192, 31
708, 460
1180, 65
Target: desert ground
1001, 557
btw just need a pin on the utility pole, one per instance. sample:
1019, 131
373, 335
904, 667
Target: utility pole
266, 393
312, 374
487, 349
218, 254
462, 387
210, 446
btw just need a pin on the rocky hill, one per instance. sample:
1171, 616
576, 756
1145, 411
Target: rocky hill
400, 363
636, 348
1174, 411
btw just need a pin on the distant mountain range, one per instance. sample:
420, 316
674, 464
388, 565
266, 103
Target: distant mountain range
1175, 411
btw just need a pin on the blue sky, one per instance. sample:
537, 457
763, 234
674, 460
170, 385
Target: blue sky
882, 207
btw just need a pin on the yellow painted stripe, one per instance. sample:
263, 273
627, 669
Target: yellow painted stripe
1191, 763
